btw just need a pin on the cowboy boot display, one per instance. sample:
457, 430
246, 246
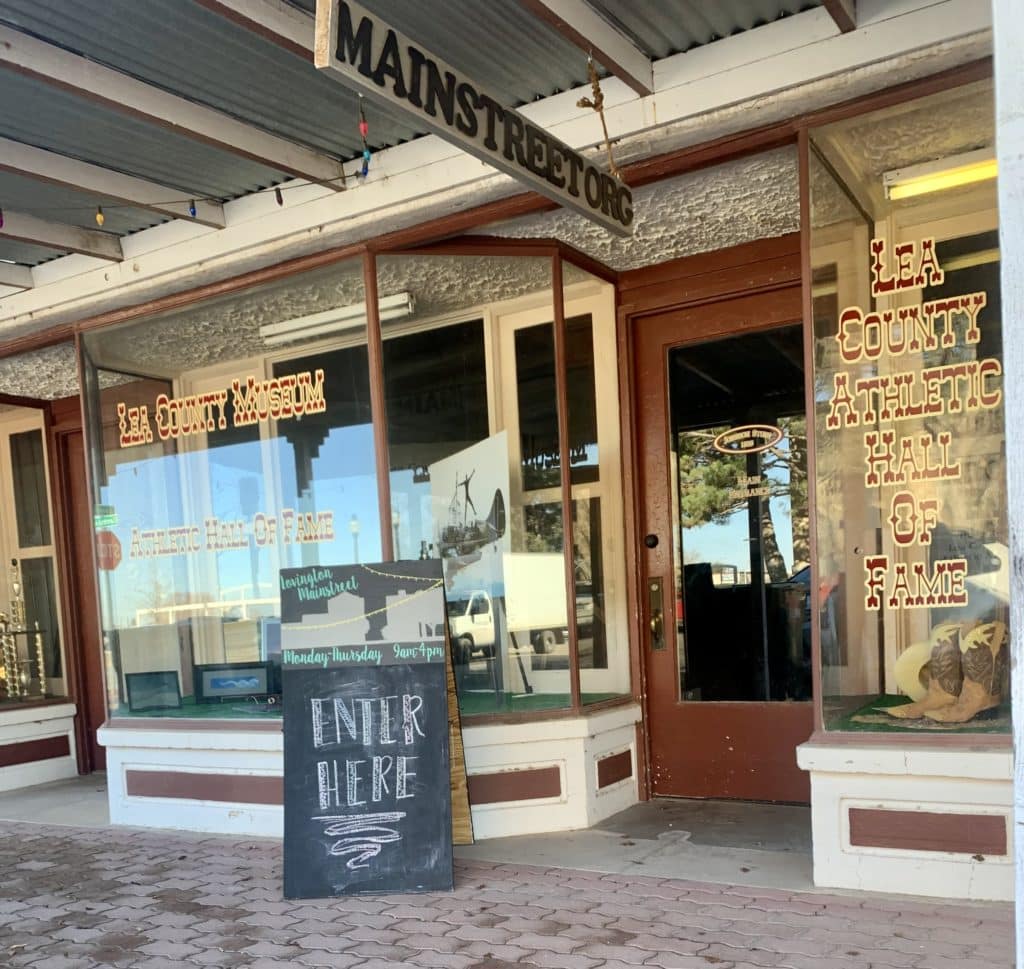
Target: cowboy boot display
984, 667
942, 673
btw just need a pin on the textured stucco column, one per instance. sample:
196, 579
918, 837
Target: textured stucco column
1009, 41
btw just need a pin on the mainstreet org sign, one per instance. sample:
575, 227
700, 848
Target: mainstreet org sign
382, 64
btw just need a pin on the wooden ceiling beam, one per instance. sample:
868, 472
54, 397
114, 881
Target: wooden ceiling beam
15, 276
118, 92
843, 12
273, 20
54, 235
55, 169
583, 26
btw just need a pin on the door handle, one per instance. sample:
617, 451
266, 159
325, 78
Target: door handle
657, 625
656, 611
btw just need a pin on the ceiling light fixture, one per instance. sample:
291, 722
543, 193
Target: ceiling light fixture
936, 176
336, 320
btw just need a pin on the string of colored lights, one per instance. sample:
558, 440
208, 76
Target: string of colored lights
100, 211
364, 130
278, 190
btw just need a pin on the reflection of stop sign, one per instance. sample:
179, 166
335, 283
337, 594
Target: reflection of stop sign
108, 551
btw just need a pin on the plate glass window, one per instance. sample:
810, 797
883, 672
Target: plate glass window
913, 591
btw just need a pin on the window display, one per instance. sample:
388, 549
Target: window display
31, 661
474, 440
236, 438
912, 530
244, 453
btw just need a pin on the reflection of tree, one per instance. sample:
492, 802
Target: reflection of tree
710, 490
544, 531
152, 596
692, 555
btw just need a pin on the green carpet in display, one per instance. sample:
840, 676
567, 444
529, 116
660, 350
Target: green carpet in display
227, 710
867, 719
470, 704
475, 704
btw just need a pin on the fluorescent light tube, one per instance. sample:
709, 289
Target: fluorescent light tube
946, 173
336, 320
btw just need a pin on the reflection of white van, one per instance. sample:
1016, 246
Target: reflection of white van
471, 622
534, 604
585, 608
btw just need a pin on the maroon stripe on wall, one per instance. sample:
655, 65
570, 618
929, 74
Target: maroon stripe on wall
29, 751
611, 770
968, 834
515, 785
234, 788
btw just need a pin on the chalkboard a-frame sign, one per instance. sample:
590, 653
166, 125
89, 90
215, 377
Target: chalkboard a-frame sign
367, 798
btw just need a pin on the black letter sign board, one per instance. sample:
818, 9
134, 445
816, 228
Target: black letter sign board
367, 799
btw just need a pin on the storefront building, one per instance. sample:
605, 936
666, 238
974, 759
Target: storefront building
721, 506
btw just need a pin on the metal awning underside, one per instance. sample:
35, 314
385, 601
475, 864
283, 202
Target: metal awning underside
173, 71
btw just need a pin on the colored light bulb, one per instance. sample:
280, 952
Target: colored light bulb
278, 196
100, 217
192, 208
364, 128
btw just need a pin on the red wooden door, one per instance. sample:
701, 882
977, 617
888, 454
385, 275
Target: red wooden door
721, 447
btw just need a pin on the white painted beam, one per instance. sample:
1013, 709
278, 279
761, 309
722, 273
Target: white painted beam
587, 29
55, 169
275, 20
17, 277
54, 235
843, 12
52, 65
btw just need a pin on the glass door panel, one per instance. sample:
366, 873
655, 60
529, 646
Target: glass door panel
738, 456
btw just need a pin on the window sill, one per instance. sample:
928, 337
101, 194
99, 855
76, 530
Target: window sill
192, 735
848, 754
907, 739
38, 708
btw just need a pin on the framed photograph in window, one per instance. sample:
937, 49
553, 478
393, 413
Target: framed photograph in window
153, 690
230, 681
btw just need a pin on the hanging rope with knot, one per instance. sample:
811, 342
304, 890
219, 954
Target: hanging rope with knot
597, 104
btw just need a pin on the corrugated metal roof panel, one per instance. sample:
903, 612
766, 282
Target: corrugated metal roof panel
184, 48
26, 254
665, 27
54, 203
187, 50
509, 52
47, 117
479, 38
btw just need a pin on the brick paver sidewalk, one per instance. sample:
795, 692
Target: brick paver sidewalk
154, 900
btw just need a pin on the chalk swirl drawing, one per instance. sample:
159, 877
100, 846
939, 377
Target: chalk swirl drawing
360, 835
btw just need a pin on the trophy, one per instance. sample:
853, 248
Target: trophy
9, 658
40, 659
17, 597
16, 677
